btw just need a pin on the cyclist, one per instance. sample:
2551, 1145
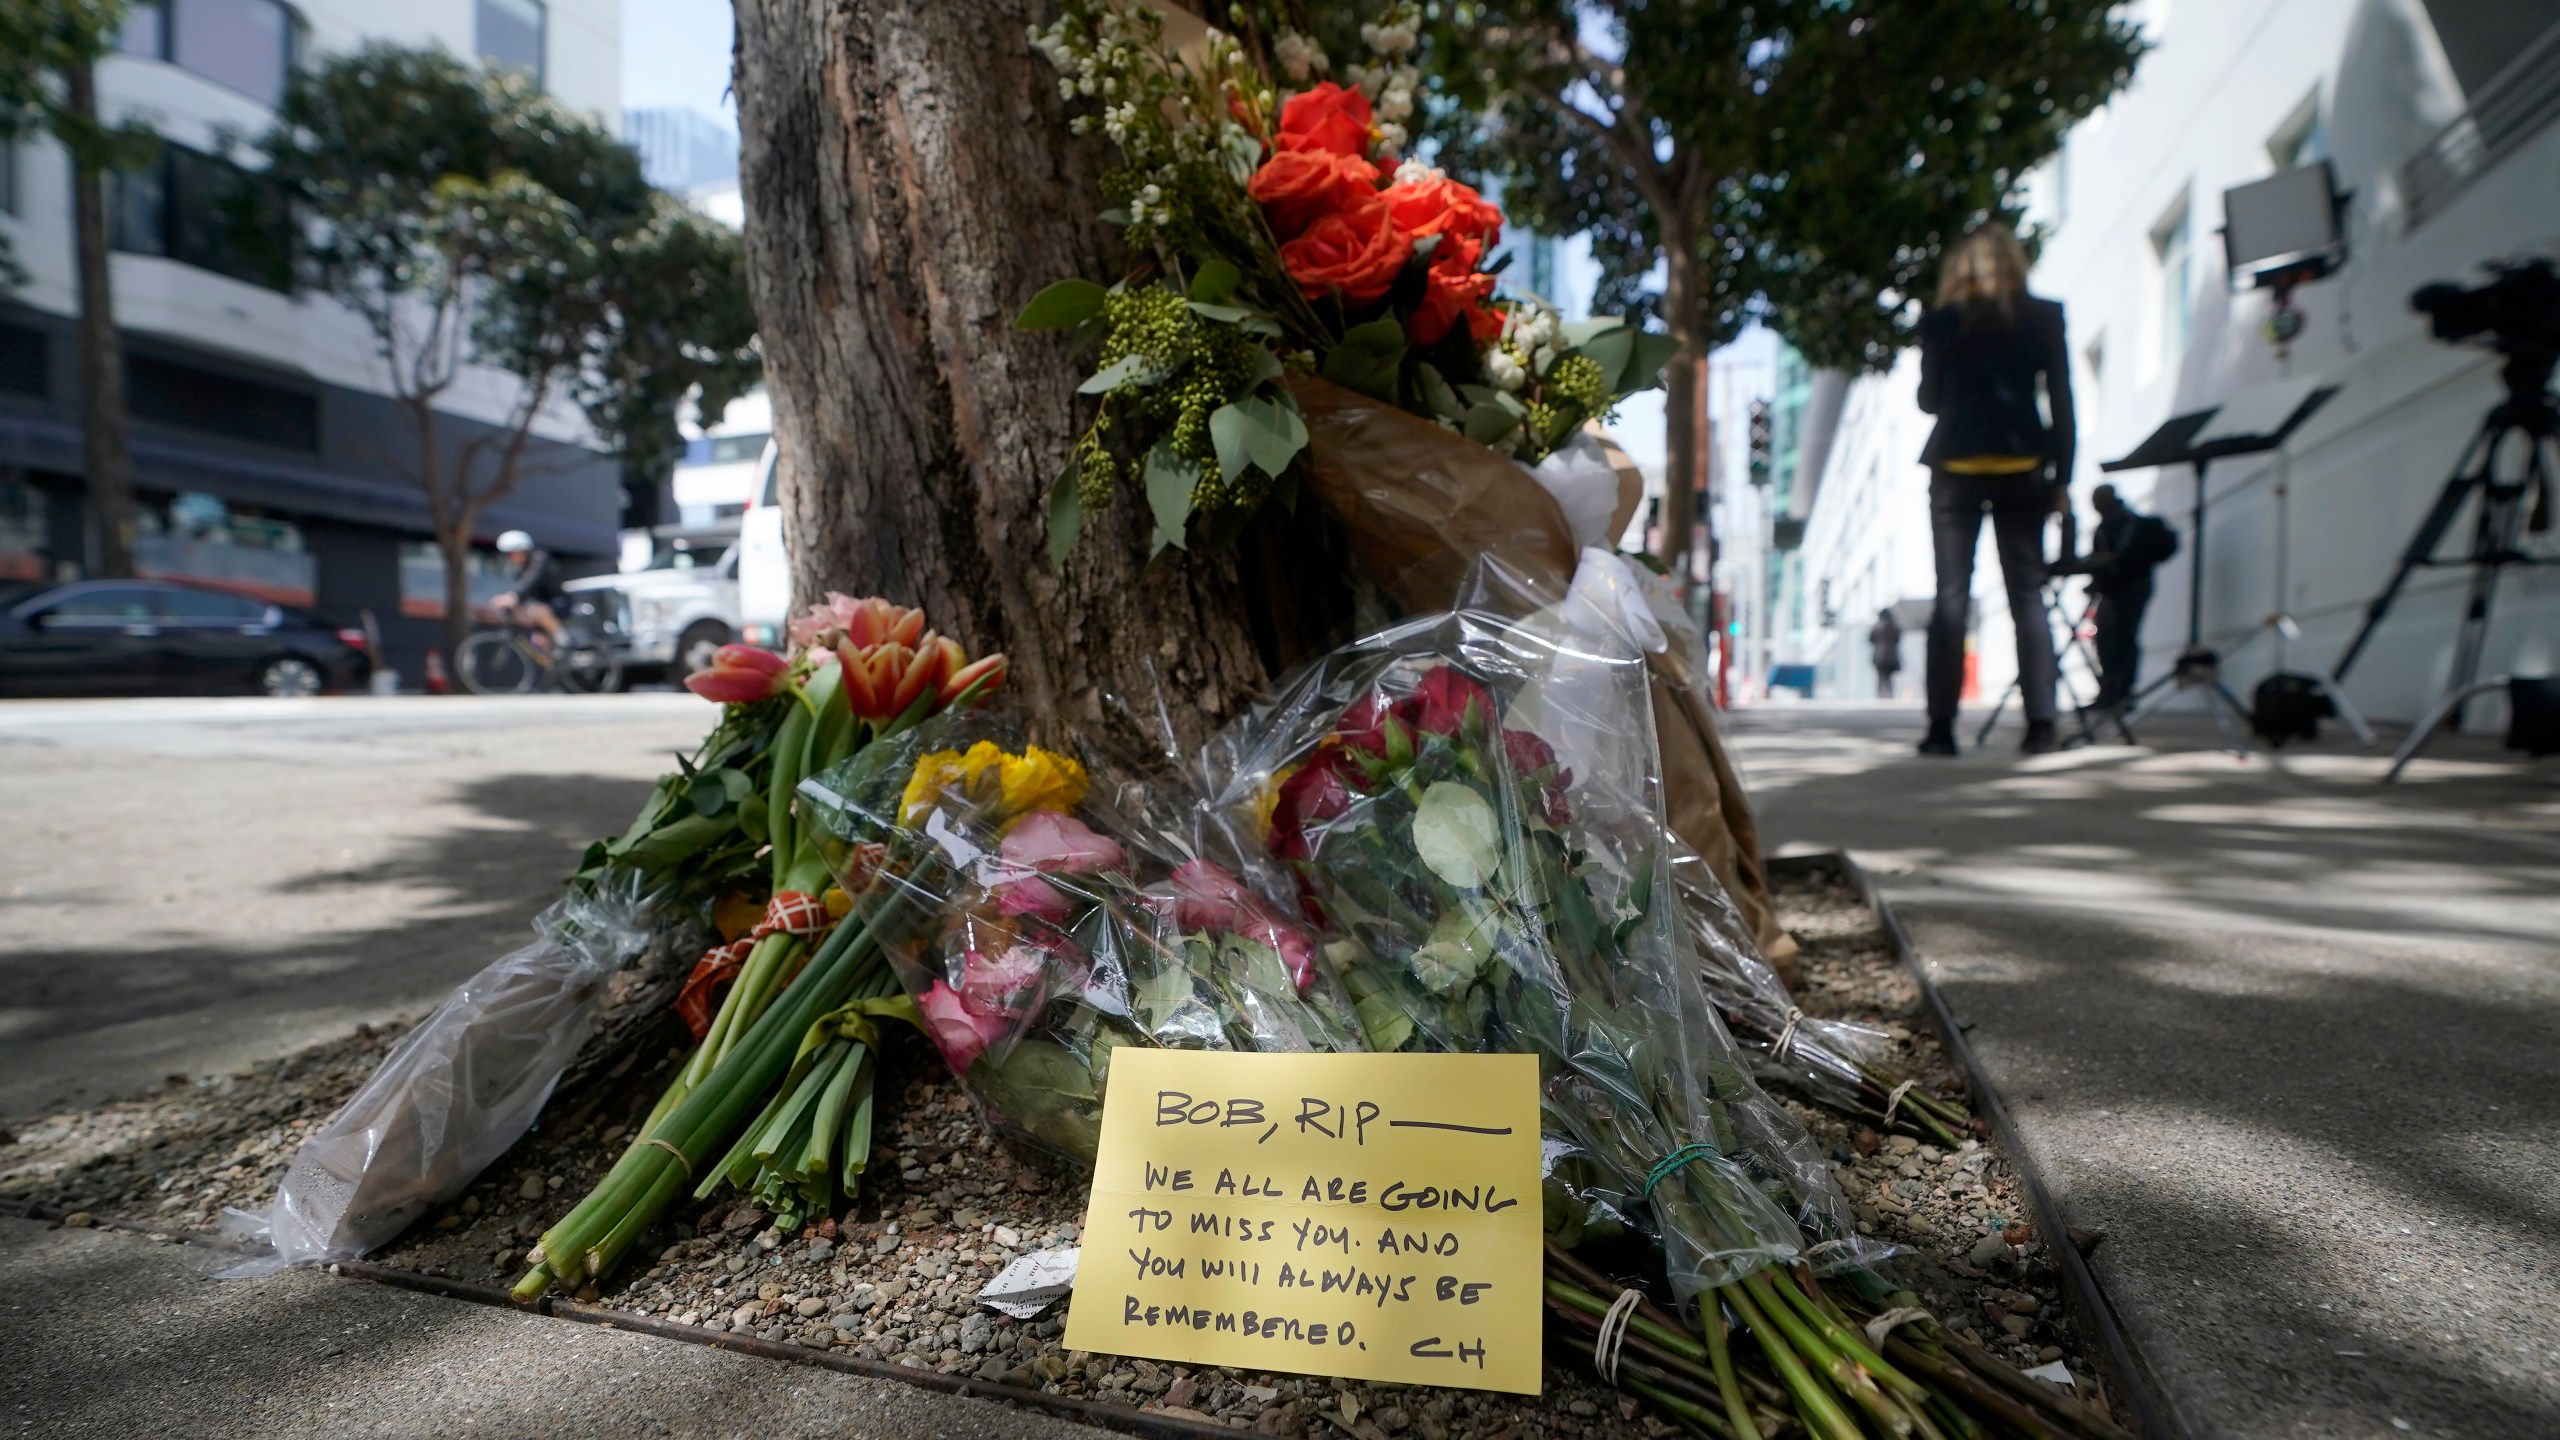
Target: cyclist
533, 593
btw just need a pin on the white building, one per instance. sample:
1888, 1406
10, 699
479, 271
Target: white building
2436, 115
258, 415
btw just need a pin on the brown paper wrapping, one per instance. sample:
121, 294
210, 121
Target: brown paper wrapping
1421, 505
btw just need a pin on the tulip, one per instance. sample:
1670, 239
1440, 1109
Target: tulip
739, 675
975, 680
881, 681
862, 623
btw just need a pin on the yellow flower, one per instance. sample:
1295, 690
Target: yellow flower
1040, 779
987, 778
1267, 799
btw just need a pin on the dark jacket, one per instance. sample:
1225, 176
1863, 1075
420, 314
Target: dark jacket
1980, 381
536, 577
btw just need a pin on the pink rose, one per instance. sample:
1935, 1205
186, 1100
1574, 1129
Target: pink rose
1206, 897
1032, 896
1056, 844
995, 987
960, 1032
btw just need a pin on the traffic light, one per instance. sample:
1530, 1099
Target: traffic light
1760, 442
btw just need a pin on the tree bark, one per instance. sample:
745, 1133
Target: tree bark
106, 453
910, 184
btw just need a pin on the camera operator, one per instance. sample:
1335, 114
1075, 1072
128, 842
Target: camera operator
2124, 548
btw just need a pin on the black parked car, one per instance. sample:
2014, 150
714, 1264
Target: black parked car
151, 637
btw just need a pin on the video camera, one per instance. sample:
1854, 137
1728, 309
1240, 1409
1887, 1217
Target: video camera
2518, 309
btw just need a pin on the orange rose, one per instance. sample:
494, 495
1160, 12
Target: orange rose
1355, 252
1326, 118
1439, 205
1296, 186
1455, 289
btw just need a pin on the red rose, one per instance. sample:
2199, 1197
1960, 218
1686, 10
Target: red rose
1355, 252
1455, 289
1327, 117
1297, 186
1364, 725
1529, 756
1440, 704
1320, 792
1439, 205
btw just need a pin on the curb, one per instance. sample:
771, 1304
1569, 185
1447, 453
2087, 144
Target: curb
2152, 1417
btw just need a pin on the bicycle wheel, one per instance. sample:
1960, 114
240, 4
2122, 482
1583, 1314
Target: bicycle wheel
587, 670
492, 662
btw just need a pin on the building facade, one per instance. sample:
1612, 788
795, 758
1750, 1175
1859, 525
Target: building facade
2436, 117
261, 426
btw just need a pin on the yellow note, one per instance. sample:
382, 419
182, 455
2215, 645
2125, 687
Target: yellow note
1371, 1216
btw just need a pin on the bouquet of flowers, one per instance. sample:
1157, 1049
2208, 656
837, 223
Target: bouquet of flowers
1282, 235
865, 675
1472, 809
1052, 952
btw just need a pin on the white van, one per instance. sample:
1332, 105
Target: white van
764, 558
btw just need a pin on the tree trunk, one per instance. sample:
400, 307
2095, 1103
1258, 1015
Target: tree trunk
108, 458
1681, 420
455, 547
910, 184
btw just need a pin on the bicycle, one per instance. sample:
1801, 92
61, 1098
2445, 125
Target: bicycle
504, 659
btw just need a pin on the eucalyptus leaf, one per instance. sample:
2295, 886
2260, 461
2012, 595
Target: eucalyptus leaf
1127, 370
1227, 426
1223, 314
1611, 350
1488, 424
1653, 350
1368, 359
1578, 334
1170, 481
1216, 280
1454, 832
1062, 306
1066, 513
1437, 394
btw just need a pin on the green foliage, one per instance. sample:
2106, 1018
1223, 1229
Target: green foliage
1812, 157
449, 203
41, 43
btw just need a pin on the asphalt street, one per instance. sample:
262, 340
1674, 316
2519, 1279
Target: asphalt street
189, 885
2289, 1038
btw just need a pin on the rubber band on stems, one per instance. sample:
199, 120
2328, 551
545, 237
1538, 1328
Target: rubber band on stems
1613, 1334
1786, 1040
1893, 1101
670, 1148
1669, 1165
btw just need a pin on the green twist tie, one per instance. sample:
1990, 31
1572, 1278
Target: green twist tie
1670, 1164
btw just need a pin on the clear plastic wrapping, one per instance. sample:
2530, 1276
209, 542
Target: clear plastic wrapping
1068, 928
455, 1092
1471, 803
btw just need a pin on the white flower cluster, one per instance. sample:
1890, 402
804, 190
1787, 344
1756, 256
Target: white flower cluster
1300, 56
1112, 52
1531, 332
1394, 81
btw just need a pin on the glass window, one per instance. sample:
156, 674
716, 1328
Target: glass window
206, 212
113, 605
2176, 259
509, 33
205, 605
146, 30
730, 449
245, 44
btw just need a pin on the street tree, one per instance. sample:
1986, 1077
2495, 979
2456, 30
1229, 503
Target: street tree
49, 53
910, 183
1798, 162
468, 220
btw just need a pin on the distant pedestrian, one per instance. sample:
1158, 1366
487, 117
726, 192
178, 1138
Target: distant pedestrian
1982, 350
2124, 549
1884, 644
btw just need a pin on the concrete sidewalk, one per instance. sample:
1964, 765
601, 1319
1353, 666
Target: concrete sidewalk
2290, 1039
108, 1334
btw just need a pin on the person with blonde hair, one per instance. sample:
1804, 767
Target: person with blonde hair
1983, 349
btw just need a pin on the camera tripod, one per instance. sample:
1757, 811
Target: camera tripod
2530, 416
2074, 638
